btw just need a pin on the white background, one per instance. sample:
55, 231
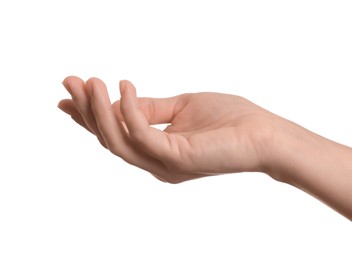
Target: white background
62, 196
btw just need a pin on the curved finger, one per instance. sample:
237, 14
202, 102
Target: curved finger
67, 106
80, 97
159, 144
117, 139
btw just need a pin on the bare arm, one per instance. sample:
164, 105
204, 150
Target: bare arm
211, 134
313, 164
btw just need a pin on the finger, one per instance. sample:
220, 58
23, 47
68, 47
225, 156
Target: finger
132, 155
101, 107
116, 138
69, 108
157, 143
76, 87
156, 110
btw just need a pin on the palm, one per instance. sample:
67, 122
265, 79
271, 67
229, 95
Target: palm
204, 111
219, 129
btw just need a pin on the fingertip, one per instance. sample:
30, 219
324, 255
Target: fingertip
92, 83
129, 104
72, 81
131, 86
65, 83
66, 106
132, 92
94, 80
128, 92
122, 86
59, 105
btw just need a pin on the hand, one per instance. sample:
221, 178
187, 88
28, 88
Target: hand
209, 133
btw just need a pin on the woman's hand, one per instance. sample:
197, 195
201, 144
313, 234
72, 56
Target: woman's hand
211, 134
208, 133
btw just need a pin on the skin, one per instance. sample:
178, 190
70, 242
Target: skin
211, 134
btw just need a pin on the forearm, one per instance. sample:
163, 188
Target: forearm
313, 164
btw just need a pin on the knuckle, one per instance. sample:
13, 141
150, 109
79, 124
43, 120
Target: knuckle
114, 148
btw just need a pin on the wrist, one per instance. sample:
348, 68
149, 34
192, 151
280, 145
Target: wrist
294, 155
287, 150
313, 164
